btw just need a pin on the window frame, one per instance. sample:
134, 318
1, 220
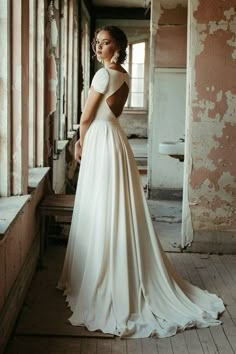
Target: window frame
129, 108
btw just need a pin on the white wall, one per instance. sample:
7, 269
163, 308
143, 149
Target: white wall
168, 125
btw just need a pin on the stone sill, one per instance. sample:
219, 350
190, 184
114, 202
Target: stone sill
71, 133
134, 111
11, 207
36, 176
61, 144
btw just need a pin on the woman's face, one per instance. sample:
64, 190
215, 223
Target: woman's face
105, 46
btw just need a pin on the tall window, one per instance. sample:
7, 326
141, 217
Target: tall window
135, 65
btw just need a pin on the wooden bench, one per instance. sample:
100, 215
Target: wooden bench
53, 205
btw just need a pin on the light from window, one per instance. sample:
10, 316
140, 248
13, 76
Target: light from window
135, 66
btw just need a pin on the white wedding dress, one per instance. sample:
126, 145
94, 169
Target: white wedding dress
116, 276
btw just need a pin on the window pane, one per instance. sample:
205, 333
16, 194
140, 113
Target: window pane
138, 52
138, 70
137, 85
137, 99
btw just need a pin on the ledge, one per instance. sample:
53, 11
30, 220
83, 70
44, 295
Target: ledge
72, 132
61, 144
36, 175
134, 111
10, 208
75, 127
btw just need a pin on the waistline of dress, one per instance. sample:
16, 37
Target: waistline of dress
111, 120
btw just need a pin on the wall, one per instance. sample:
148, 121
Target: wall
209, 215
20, 242
134, 124
168, 87
168, 125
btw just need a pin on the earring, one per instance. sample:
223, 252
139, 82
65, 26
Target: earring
115, 57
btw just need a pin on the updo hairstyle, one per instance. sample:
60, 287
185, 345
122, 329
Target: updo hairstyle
118, 36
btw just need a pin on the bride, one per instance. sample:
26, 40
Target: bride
116, 276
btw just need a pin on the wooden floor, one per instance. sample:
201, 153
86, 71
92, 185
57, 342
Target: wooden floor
215, 273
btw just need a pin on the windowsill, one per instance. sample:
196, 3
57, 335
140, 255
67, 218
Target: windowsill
61, 144
36, 175
71, 133
11, 207
134, 111
75, 127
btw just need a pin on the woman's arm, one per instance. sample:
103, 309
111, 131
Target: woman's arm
89, 112
86, 119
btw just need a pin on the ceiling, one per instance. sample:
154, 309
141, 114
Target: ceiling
121, 3
138, 3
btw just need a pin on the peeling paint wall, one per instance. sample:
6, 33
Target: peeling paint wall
171, 38
167, 114
212, 117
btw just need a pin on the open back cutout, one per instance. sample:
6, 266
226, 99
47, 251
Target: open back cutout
117, 100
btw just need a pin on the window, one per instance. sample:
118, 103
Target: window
135, 65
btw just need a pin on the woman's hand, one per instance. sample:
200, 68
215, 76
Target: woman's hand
78, 151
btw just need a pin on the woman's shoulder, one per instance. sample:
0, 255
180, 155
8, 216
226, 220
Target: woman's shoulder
100, 80
101, 74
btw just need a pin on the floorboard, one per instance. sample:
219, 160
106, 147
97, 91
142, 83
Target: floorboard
221, 341
179, 344
193, 342
149, 345
118, 346
207, 341
42, 326
134, 346
164, 346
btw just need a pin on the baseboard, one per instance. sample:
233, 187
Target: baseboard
15, 299
166, 193
215, 242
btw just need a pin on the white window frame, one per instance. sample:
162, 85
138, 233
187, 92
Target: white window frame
128, 107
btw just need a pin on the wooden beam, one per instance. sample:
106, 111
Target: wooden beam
20, 89
40, 69
32, 83
75, 66
5, 123
70, 64
64, 76
125, 13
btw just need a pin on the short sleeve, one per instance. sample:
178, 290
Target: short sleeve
100, 80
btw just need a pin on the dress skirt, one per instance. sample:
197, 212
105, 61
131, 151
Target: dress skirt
116, 276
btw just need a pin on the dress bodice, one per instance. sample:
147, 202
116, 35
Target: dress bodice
108, 81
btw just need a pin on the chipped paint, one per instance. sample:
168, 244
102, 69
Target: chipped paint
229, 13
212, 112
171, 4
216, 26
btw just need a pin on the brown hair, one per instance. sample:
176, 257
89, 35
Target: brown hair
119, 37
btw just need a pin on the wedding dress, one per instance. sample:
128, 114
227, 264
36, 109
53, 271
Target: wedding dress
116, 276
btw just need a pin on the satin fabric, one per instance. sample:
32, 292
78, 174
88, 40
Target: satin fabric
116, 276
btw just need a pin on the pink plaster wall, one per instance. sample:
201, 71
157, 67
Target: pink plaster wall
171, 38
212, 179
16, 244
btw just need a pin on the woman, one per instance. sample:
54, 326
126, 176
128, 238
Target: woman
116, 276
